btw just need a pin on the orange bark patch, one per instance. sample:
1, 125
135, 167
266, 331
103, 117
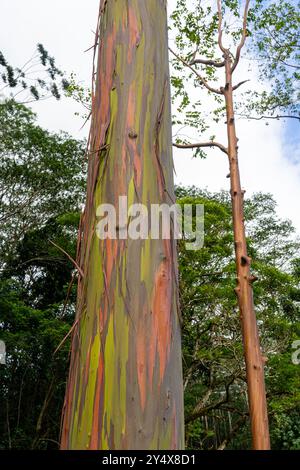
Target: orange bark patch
131, 106
111, 249
134, 34
161, 308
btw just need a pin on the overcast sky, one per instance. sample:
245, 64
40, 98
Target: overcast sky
269, 155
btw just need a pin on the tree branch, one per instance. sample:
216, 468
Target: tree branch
239, 84
201, 79
201, 411
287, 116
202, 144
243, 39
223, 49
66, 336
213, 63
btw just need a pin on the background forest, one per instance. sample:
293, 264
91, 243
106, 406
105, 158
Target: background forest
42, 192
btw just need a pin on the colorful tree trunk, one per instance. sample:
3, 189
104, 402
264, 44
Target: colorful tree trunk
125, 382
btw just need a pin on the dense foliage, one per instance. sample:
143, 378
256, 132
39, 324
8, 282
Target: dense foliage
215, 382
42, 175
42, 181
35, 317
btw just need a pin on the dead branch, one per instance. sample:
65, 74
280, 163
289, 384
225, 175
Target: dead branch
202, 144
213, 63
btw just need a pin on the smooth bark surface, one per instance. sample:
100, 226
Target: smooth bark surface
125, 382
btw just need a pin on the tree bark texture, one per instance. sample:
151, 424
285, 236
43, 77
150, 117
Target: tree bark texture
125, 382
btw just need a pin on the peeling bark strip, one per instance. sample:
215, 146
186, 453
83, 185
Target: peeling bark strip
125, 382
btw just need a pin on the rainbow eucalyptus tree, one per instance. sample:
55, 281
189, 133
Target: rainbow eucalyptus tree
125, 382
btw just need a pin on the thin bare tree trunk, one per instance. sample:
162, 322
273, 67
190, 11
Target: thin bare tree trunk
125, 383
253, 357
252, 352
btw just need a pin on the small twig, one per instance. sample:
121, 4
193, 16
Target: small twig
92, 47
69, 257
87, 119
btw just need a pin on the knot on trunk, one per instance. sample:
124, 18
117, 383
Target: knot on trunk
132, 134
245, 260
